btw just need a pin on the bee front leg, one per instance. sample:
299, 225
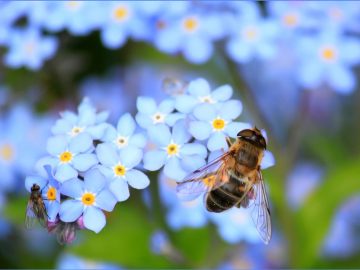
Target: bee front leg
228, 141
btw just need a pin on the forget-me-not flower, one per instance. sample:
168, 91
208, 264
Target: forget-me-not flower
70, 156
173, 151
29, 48
87, 120
151, 114
198, 91
124, 135
119, 167
215, 121
90, 197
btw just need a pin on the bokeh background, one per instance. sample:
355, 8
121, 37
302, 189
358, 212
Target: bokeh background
292, 64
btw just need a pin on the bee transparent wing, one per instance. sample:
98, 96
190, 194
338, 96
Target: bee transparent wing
204, 179
29, 215
260, 211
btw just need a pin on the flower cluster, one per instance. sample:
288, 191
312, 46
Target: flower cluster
324, 36
91, 163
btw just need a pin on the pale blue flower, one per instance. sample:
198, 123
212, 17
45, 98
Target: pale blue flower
173, 151
151, 114
70, 156
87, 120
69, 261
29, 48
90, 197
119, 167
213, 122
124, 135
197, 92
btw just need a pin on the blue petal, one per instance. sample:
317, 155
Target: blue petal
56, 145
94, 181
199, 88
239, 51
81, 143
341, 79
198, 50
113, 38
106, 200
222, 93
146, 105
217, 141
185, 103
106, 154
143, 120
233, 128
130, 156
180, 134
83, 162
61, 126
193, 149
230, 109
166, 106
137, 179
174, 170
52, 209
138, 140
120, 189
70, 210
200, 130
39, 166
73, 188
126, 125
94, 219
192, 163
172, 118
30, 180
205, 112
110, 134
97, 132
65, 172
160, 135
154, 160
268, 160
310, 75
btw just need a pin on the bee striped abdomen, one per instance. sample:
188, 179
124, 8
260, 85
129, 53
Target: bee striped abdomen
226, 196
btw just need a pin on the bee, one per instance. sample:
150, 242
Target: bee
35, 208
234, 179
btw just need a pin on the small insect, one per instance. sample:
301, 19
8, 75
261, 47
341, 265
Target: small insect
234, 179
65, 231
35, 208
173, 86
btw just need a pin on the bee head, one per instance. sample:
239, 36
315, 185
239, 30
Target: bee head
253, 136
35, 187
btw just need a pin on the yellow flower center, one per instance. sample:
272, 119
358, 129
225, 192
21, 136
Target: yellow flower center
121, 13
30, 47
76, 130
172, 149
290, 19
119, 170
7, 152
66, 157
250, 33
218, 124
158, 118
336, 13
88, 199
328, 53
73, 5
51, 194
207, 99
121, 141
160, 24
190, 24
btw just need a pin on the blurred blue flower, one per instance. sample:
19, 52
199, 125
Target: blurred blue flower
29, 48
119, 21
49, 190
87, 120
235, 225
159, 242
199, 92
252, 39
327, 58
215, 121
70, 156
150, 114
68, 261
173, 151
193, 34
180, 213
119, 167
303, 179
123, 135
91, 196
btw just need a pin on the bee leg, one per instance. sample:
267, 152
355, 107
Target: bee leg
228, 141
